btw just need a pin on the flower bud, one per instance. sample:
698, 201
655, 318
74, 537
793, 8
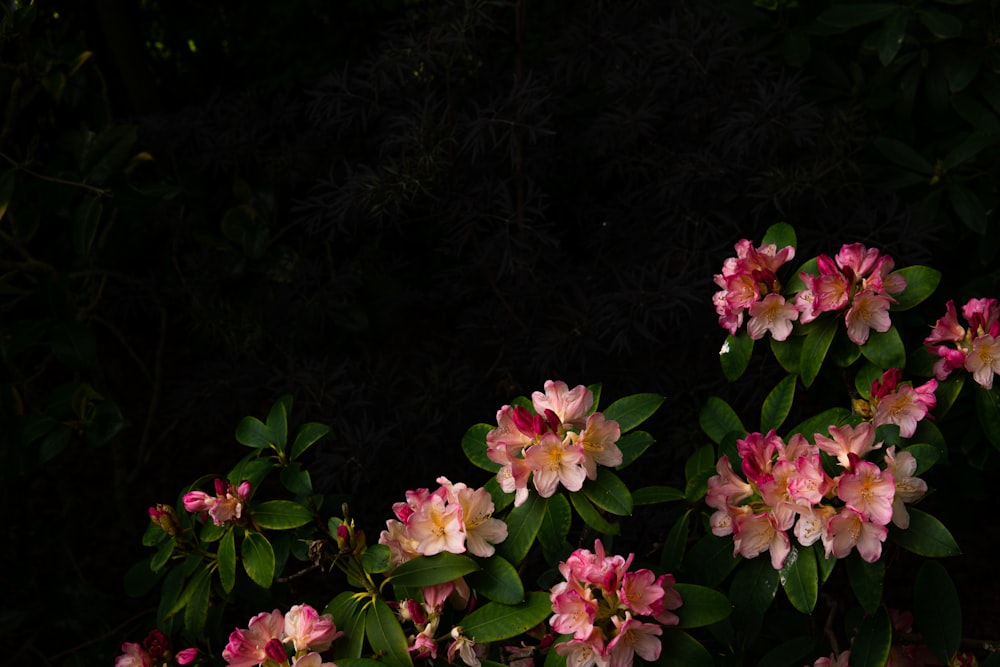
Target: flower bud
165, 517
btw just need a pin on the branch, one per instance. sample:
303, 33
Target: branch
52, 179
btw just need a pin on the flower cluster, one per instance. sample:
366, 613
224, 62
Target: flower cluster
975, 348
295, 639
859, 280
453, 518
561, 443
226, 505
785, 488
899, 403
598, 604
155, 651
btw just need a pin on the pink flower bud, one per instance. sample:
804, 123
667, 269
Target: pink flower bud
186, 656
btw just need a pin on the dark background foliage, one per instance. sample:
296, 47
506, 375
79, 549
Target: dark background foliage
401, 213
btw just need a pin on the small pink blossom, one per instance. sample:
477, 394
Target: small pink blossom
186, 656
571, 405
247, 648
589, 652
983, 360
633, 638
464, 648
640, 592
437, 526
846, 440
904, 405
848, 530
598, 440
307, 629
133, 655
901, 466
312, 660
554, 462
225, 506
868, 311
756, 533
573, 614
773, 315
869, 491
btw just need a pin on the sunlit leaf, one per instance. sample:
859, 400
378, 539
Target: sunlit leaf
432, 570
494, 621
778, 404
717, 420
630, 411
474, 446
800, 578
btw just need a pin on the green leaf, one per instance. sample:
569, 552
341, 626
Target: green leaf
495, 621
781, 234
975, 143
675, 544
432, 570
921, 281
988, 412
825, 565
789, 353
752, 590
258, 558
196, 611
718, 420
227, 561
296, 479
498, 580
711, 559
630, 411
632, 446
277, 423
591, 516
555, 526
903, 155
162, 555
969, 208
699, 467
308, 434
937, 610
252, 433
734, 356
778, 404
702, 606
941, 24
925, 455
386, 636
863, 379
523, 524
820, 423
850, 16
376, 559
474, 446
800, 578
873, 640
108, 153
866, 581
926, 536
251, 469
885, 349
280, 514
609, 493
680, 648
792, 652
358, 662
814, 349
349, 613
139, 579
892, 34
652, 495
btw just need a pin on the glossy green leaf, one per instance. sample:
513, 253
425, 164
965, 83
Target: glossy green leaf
501, 499
872, 642
891, 35
251, 469
853, 15
630, 411
252, 433
296, 479
196, 611
474, 446
652, 495
795, 282
495, 621
968, 207
937, 610
753, 589
988, 412
386, 636
815, 347
163, 555
608, 492
497, 580
820, 423
280, 514
718, 420
675, 544
866, 581
308, 434
734, 355
941, 24
788, 353
711, 559
926, 536
139, 579
277, 423
349, 612
781, 235
701, 606
258, 558
903, 155
863, 379
227, 561
778, 404
377, 558
555, 526
885, 349
632, 446
825, 565
925, 455
699, 467
523, 524
800, 578
680, 648
921, 281
591, 516
171, 600
432, 570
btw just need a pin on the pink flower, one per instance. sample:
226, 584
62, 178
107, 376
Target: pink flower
436, 527
663, 609
983, 361
947, 328
247, 648
868, 311
847, 440
640, 592
869, 491
225, 506
726, 487
901, 466
598, 440
573, 614
186, 656
634, 638
133, 655
773, 315
902, 404
811, 524
306, 629
847, 530
464, 648
482, 531
424, 645
754, 534
312, 660
745, 278
570, 405
587, 652
554, 462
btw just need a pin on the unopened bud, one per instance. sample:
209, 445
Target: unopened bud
164, 516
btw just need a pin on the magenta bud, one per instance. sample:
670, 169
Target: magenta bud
276, 651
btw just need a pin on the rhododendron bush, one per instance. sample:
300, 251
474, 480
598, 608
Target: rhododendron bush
524, 567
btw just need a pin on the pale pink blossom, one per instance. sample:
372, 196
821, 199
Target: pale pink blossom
902, 465
571, 405
663, 609
633, 638
587, 652
482, 531
640, 592
246, 648
437, 526
554, 462
947, 328
424, 645
598, 440
464, 648
573, 613
834, 660
905, 407
307, 629
726, 487
983, 360
133, 655
312, 660
868, 311
848, 530
846, 440
869, 491
756, 533
811, 523
225, 506
773, 315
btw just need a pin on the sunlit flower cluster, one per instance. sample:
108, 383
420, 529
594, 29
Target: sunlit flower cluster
600, 604
561, 443
295, 639
225, 506
453, 518
858, 281
154, 651
784, 488
975, 348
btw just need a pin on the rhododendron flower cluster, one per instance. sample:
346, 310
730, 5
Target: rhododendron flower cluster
902, 404
975, 348
226, 505
561, 443
155, 651
295, 639
784, 488
452, 518
857, 280
601, 603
